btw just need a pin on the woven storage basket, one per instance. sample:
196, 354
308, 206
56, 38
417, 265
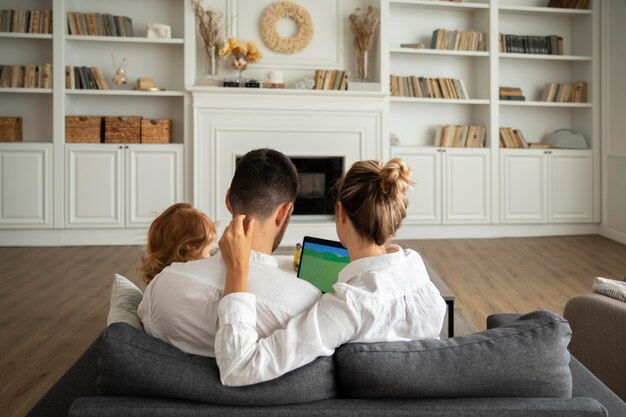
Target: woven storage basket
83, 129
122, 129
156, 131
10, 129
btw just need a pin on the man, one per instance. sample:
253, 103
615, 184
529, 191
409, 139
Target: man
180, 303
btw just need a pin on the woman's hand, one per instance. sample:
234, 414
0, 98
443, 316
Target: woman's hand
235, 246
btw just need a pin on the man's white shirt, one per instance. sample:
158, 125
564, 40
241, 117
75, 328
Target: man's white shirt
180, 304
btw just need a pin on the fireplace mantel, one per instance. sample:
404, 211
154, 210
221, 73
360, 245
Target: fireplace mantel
300, 123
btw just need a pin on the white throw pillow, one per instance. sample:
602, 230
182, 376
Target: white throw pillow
125, 299
610, 287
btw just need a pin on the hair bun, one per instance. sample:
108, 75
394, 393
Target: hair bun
395, 176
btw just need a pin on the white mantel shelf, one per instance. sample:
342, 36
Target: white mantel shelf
282, 92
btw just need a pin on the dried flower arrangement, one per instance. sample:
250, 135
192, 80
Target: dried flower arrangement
288, 10
363, 24
243, 52
211, 29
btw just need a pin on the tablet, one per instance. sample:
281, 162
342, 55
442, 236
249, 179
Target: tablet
321, 261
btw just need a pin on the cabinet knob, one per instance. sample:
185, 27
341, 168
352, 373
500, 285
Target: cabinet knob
121, 147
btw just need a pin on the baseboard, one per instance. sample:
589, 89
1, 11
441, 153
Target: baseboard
613, 234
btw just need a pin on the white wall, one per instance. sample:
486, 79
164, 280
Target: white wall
614, 131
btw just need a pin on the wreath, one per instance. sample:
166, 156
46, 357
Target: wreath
295, 12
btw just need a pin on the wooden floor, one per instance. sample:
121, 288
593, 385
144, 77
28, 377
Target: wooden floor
54, 301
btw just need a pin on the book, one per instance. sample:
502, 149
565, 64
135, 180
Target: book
329, 80
344, 80
128, 26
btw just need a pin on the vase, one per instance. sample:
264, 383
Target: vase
119, 79
212, 61
362, 65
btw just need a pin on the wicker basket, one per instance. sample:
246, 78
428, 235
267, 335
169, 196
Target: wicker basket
156, 131
83, 129
122, 129
10, 129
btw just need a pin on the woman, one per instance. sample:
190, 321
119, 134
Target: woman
383, 294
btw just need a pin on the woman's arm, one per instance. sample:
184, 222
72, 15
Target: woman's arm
243, 359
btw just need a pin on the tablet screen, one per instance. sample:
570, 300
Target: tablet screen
321, 261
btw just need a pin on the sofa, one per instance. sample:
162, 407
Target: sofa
598, 323
520, 366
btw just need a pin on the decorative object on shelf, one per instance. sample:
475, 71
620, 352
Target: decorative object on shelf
122, 129
10, 129
363, 24
156, 130
228, 82
83, 129
211, 29
286, 10
158, 31
253, 84
305, 84
244, 53
146, 84
566, 139
273, 79
119, 78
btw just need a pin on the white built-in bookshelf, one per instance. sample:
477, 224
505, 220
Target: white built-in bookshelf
455, 186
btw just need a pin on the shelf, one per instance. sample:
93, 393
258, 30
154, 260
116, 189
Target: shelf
14, 35
442, 5
282, 91
554, 11
119, 39
543, 104
509, 55
438, 100
166, 93
26, 90
443, 52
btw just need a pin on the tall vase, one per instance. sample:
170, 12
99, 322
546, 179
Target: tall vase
362, 65
212, 61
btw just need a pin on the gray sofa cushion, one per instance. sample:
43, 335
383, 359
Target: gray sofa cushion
527, 358
131, 363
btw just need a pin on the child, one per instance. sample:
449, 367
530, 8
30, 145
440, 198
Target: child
179, 234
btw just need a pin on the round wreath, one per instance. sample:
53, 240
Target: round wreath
293, 11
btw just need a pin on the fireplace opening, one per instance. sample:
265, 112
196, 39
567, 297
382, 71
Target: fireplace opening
317, 177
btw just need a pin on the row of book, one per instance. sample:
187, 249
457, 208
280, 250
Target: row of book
522, 44
454, 40
511, 94
513, 138
84, 78
565, 92
26, 21
467, 136
26, 76
99, 24
413, 86
331, 80
569, 4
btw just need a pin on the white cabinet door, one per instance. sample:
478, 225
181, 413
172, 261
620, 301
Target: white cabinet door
94, 185
523, 186
466, 189
154, 181
571, 193
425, 195
25, 185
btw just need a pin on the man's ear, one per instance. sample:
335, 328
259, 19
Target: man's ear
283, 213
227, 201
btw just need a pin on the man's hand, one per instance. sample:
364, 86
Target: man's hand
235, 246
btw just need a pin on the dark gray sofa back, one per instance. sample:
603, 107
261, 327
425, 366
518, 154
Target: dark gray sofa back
131, 363
527, 358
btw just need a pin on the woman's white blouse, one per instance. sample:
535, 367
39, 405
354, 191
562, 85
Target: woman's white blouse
377, 299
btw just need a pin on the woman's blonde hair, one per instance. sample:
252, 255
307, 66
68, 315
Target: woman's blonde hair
179, 234
373, 196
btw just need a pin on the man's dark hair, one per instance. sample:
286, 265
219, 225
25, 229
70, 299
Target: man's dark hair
264, 179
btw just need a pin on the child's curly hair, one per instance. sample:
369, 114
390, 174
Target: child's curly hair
179, 234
